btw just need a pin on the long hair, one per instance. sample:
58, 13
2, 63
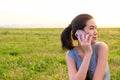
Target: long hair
68, 34
66, 38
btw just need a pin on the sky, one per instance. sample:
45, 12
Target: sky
57, 12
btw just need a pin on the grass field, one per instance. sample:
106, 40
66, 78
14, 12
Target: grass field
36, 54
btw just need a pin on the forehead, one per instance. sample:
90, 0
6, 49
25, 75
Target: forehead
91, 22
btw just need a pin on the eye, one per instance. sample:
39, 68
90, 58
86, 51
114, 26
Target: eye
91, 28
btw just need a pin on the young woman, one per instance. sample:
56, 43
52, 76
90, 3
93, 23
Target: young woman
89, 59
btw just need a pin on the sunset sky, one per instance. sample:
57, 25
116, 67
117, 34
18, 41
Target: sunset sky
105, 12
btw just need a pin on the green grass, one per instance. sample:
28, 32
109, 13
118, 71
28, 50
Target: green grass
36, 54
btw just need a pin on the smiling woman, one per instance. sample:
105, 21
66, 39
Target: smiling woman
89, 59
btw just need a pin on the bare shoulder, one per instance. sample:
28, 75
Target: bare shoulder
103, 48
68, 58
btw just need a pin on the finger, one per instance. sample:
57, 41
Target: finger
90, 39
87, 37
83, 37
79, 39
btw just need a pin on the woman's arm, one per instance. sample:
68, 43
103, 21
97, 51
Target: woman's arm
102, 62
85, 42
81, 73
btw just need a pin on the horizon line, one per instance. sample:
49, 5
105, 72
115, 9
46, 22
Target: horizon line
53, 26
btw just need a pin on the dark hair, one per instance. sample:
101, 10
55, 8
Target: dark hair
79, 22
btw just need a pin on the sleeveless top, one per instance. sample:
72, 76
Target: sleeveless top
93, 62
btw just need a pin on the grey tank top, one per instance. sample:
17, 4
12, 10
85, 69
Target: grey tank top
74, 55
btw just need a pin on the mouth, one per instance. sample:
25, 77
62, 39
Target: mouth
94, 38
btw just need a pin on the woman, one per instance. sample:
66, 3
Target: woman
89, 59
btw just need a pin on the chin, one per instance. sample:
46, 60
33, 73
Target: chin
93, 42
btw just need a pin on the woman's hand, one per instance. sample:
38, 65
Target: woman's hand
85, 41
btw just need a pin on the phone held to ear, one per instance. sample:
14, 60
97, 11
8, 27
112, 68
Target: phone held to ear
79, 33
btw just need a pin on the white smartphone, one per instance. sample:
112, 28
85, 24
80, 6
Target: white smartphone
79, 33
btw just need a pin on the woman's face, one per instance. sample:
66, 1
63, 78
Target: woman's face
91, 29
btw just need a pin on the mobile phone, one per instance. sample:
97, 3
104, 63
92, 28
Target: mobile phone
79, 33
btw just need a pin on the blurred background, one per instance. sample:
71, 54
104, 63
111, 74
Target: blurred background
30, 30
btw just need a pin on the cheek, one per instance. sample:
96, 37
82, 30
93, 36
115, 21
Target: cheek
90, 33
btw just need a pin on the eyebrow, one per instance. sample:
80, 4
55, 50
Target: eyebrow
93, 26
